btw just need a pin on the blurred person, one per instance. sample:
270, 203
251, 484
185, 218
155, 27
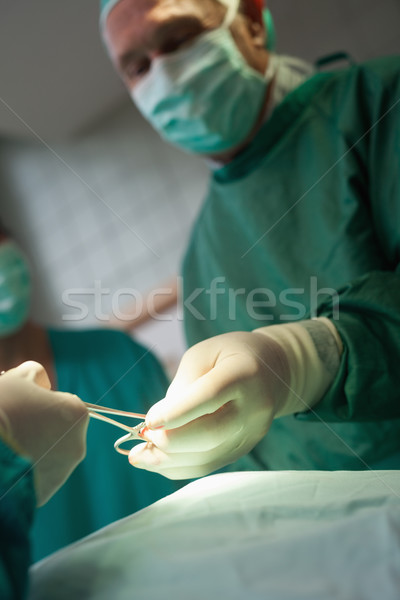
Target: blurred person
101, 367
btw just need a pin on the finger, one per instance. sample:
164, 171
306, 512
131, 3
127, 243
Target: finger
149, 457
177, 473
200, 398
32, 371
195, 363
71, 407
183, 466
202, 434
205, 396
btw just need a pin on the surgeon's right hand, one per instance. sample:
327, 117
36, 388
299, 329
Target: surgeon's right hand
48, 427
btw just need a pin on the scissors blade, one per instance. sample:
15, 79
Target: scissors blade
134, 433
114, 411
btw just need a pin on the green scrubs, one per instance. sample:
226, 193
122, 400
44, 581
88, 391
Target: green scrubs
311, 208
110, 369
17, 504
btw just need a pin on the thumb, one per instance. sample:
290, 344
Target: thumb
32, 371
204, 396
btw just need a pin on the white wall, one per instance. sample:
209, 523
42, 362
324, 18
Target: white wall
112, 209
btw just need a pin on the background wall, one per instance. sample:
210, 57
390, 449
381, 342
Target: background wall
110, 211
92, 194
313, 28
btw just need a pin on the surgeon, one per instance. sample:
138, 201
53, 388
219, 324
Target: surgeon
291, 278
101, 367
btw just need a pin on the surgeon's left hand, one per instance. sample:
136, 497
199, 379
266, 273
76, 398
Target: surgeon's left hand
226, 393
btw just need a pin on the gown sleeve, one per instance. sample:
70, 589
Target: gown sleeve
367, 387
17, 505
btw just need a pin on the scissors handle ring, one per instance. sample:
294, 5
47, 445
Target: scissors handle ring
133, 435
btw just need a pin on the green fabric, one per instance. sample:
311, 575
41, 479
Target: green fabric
103, 4
107, 368
317, 194
17, 504
15, 288
271, 31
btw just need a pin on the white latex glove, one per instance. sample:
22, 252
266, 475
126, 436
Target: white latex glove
226, 393
47, 427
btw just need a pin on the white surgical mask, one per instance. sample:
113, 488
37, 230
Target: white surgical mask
288, 73
204, 98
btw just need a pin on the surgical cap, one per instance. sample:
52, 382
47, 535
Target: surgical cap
254, 8
105, 9
15, 288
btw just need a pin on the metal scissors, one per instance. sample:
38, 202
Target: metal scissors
134, 433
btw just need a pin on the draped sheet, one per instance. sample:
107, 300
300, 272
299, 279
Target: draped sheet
277, 535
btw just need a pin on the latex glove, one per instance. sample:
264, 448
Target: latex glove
226, 393
47, 427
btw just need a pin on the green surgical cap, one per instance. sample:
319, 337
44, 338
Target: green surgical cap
107, 5
270, 29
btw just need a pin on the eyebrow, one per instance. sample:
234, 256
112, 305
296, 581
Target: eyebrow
160, 33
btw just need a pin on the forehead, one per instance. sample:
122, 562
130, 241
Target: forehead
132, 22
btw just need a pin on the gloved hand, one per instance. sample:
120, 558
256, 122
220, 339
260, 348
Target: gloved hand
47, 427
226, 393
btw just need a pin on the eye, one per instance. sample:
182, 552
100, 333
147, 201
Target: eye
175, 43
136, 69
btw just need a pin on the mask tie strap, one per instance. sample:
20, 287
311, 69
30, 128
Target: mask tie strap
231, 12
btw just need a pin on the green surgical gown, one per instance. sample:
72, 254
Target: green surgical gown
306, 222
17, 504
110, 369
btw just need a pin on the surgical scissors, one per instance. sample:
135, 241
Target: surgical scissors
134, 433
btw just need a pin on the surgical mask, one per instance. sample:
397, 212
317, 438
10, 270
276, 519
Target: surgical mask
204, 98
288, 73
15, 288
